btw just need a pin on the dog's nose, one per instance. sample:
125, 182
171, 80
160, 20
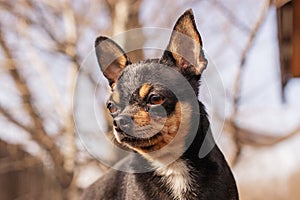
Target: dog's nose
123, 122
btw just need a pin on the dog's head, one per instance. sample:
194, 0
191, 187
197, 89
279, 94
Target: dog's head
148, 100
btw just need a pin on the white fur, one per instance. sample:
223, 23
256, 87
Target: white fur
176, 176
167, 163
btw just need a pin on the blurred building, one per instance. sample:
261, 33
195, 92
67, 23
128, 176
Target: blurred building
288, 18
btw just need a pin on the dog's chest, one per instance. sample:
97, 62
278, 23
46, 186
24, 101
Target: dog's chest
177, 178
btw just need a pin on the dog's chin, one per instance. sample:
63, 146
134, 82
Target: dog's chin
146, 143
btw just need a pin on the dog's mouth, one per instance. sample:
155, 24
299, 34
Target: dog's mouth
146, 143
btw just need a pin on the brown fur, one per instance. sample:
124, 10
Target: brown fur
112, 58
141, 118
169, 144
144, 90
186, 45
168, 132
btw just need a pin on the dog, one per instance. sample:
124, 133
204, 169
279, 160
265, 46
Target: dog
157, 115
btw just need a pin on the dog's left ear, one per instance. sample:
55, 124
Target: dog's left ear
185, 46
111, 58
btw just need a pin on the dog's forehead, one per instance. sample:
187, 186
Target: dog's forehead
136, 75
155, 74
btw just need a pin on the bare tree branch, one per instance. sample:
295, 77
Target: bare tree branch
58, 22
24, 163
11, 119
39, 134
13, 158
231, 16
261, 139
125, 16
238, 78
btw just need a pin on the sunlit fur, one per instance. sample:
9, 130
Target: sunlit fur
177, 176
166, 135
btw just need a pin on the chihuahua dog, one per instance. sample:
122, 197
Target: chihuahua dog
157, 115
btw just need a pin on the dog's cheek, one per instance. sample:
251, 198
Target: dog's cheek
172, 124
168, 131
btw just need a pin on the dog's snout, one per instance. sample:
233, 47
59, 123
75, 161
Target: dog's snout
123, 122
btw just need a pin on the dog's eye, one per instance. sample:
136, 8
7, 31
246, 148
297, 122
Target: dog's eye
156, 100
111, 107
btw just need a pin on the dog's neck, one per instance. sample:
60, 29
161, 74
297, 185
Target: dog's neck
203, 138
178, 176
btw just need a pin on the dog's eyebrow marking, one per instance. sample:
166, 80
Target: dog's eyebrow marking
144, 90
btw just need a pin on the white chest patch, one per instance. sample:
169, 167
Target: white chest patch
176, 176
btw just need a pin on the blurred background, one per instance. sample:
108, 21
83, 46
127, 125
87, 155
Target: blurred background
254, 44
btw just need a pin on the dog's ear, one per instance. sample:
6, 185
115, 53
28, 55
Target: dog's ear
111, 58
185, 46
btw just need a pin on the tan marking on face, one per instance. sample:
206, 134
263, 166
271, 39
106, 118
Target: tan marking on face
142, 118
172, 123
169, 131
144, 90
116, 96
171, 151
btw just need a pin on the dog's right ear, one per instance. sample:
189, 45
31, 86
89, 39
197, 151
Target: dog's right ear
111, 58
185, 46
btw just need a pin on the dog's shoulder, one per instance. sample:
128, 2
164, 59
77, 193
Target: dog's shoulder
105, 187
110, 185
125, 184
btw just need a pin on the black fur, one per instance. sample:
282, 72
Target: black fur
211, 176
